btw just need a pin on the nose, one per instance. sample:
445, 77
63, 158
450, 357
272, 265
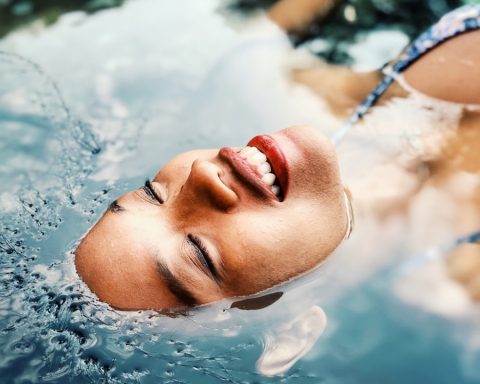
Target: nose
204, 186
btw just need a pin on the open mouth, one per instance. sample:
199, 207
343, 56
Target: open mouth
259, 163
262, 164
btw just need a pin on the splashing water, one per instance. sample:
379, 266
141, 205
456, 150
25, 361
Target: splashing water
61, 158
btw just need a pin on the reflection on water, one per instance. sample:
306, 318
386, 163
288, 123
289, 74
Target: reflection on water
79, 101
291, 342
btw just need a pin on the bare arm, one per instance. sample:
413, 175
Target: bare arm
297, 15
451, 71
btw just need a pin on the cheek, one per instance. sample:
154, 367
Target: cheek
289, 227
319, 183
304, 229
174, 174
179, 167
268, 246
265, 237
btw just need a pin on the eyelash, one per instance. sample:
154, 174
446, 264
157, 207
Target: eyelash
115, 207
200, 247
151, 193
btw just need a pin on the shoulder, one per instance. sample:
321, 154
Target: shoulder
451, 71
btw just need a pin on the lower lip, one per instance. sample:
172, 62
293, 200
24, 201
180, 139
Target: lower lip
246, 173
276, 158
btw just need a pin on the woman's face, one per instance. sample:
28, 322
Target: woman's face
209, 227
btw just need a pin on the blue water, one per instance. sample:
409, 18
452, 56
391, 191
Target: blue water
89, 107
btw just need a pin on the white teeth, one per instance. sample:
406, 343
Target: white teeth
268, 178
257, 158
264, 168
245, 152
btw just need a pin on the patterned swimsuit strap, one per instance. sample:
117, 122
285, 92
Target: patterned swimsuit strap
438, 252
461, 20
457, 22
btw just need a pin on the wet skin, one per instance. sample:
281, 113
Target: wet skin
201, 232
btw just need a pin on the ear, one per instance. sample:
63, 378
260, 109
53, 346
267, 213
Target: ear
259, 302
291, 342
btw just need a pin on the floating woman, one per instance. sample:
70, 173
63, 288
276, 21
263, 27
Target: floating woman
232, 222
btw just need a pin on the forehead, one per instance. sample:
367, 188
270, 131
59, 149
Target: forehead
119, 269
134, 225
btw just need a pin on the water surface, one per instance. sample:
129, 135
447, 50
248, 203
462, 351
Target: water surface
90, 106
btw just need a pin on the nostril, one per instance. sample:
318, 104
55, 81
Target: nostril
208, 179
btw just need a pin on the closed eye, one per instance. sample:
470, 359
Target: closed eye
203, 256
150, 191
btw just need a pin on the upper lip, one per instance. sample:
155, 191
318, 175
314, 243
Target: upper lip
244, 171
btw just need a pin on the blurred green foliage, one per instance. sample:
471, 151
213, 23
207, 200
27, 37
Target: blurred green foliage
410, 16
351, 19
15, 13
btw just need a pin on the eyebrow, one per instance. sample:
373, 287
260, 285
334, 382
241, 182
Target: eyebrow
182, 293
